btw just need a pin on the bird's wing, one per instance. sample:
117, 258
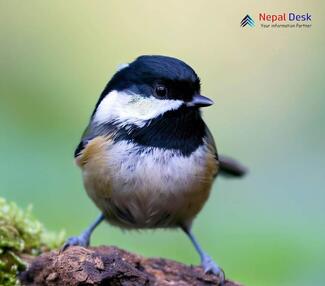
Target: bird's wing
228, 166
83, 142
212, 145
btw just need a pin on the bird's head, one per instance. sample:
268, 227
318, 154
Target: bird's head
147, 88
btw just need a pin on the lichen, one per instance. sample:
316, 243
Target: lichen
21, 236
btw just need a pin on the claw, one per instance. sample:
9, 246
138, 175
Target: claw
84, 238
211, 267
75, 241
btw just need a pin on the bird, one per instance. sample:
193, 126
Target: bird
148, 160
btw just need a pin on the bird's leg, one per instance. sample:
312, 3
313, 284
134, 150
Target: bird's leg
84, 238
207, 263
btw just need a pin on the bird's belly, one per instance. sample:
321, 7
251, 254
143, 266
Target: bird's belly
148, 188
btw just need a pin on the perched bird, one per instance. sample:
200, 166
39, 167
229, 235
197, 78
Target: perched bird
148, 160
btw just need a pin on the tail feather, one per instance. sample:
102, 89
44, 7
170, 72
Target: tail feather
230, 167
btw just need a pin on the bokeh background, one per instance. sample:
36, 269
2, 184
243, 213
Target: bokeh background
268, 87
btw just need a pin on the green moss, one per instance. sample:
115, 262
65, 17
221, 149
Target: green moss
21, 235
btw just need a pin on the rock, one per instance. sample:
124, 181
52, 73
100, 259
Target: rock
111, 266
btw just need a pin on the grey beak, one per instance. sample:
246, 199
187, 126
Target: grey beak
199, 101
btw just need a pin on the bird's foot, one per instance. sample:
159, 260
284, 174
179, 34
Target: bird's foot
81, 240
211, 267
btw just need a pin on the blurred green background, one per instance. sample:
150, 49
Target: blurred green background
268, 87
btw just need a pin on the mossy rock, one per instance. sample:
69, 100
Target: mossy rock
21, 236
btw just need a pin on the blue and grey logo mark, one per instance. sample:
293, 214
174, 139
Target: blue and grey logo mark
248, 20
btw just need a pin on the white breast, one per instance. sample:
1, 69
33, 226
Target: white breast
153, 188
154, 170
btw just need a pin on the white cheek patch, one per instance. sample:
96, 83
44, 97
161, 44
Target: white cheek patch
127, 108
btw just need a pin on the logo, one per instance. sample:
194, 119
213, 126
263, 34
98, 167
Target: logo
248, 20
279, 20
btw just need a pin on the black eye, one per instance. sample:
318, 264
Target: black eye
161, 91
